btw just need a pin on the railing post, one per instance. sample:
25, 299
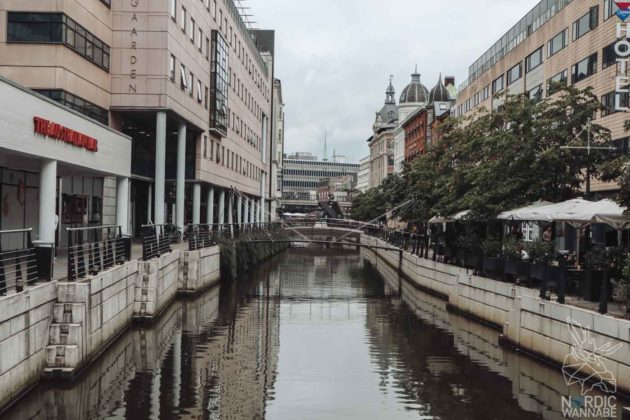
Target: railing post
71, 270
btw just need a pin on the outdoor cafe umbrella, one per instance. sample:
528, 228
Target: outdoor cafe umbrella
454, 218
579, 213
516, 214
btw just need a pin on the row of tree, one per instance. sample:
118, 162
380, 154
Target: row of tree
495, 161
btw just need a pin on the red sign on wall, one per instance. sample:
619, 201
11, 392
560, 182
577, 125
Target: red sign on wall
59, 132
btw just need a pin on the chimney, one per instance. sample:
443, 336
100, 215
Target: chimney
449, 80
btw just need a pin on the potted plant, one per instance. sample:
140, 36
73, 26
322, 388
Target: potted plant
492, 261
512, 252
621, 288
540, 253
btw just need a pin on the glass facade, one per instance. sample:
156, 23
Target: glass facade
78, 104
57, 28
220, 84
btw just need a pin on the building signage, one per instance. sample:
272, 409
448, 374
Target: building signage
59, 132
133, 45
622, 49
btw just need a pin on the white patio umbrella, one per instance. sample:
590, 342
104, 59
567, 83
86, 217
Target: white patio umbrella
516, 214
451, 219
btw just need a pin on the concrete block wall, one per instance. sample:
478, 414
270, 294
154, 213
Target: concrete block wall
24, 321
87, 317
156, 285
542, 328
199, 270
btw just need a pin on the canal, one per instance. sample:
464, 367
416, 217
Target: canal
322, 334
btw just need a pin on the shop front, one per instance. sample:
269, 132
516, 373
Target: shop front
58, 170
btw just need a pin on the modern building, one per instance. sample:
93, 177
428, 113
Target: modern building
363, 179
382, 141
302, 178
340, 189
414, 96
563, 41
277, 152
186, 80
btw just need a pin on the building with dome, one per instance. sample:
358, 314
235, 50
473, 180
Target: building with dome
421, 128
382, 142
413, 97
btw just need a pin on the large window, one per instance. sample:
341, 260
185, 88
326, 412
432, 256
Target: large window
78, 104
556, 82
515, 73
536, 94
219, 84
498, 85
609, 55
57, 28
534, 60
608, 102
610, 8
584, 68
586, 23
558, 43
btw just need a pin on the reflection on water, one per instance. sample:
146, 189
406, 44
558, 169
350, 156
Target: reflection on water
312, 334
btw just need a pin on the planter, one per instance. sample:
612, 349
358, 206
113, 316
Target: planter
511, 270
493, 267
472, 261
592, 285
461, 257
537, 271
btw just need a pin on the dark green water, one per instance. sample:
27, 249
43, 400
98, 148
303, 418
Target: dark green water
313, 334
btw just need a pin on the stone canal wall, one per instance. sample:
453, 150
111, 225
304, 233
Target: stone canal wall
532, 325
55, 330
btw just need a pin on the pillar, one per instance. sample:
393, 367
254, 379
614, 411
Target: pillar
222, 206
210, 205
261, 210
239, 210
122, 204
246, 211
196, 216
230, 214
47, 191
160, 167
180, 194
150, 203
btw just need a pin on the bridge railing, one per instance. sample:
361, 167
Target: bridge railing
204, 235
94, 249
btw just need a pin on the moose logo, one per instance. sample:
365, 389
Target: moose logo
585, 364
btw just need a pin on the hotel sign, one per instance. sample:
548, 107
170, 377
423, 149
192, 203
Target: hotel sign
622, 49
59, 132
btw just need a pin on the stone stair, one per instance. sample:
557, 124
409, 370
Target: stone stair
65, 336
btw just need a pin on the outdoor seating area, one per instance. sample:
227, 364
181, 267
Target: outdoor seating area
576, 249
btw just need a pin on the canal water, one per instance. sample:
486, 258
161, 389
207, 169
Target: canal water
313, 334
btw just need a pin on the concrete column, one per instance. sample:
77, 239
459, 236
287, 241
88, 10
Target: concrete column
180, 194
261, 209
122, 204
246, 211
196, 216
222, 206
239, 211
230, 214
210, 204
160, 167
150, 203
47, 191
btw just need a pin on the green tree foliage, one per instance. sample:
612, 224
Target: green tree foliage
499, 160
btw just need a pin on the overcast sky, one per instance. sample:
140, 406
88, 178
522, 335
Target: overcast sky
334, 57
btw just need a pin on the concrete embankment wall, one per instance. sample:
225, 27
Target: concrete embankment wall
55, 330
528, 323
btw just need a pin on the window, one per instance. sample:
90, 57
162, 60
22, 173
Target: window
610, 8
173, 9
586, 23
191, 78
184, 18
558, 42
199, 91
183, 78
584, 68
609, 105
214, 9
78, 104
515, 73
200, 40
219, 112
556, 82
57, 28
609, 55
207, 48
497, 85
534, 60
171, 67
191, 30
536, 94
485, 94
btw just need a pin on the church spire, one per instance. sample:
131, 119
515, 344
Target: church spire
390, 93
